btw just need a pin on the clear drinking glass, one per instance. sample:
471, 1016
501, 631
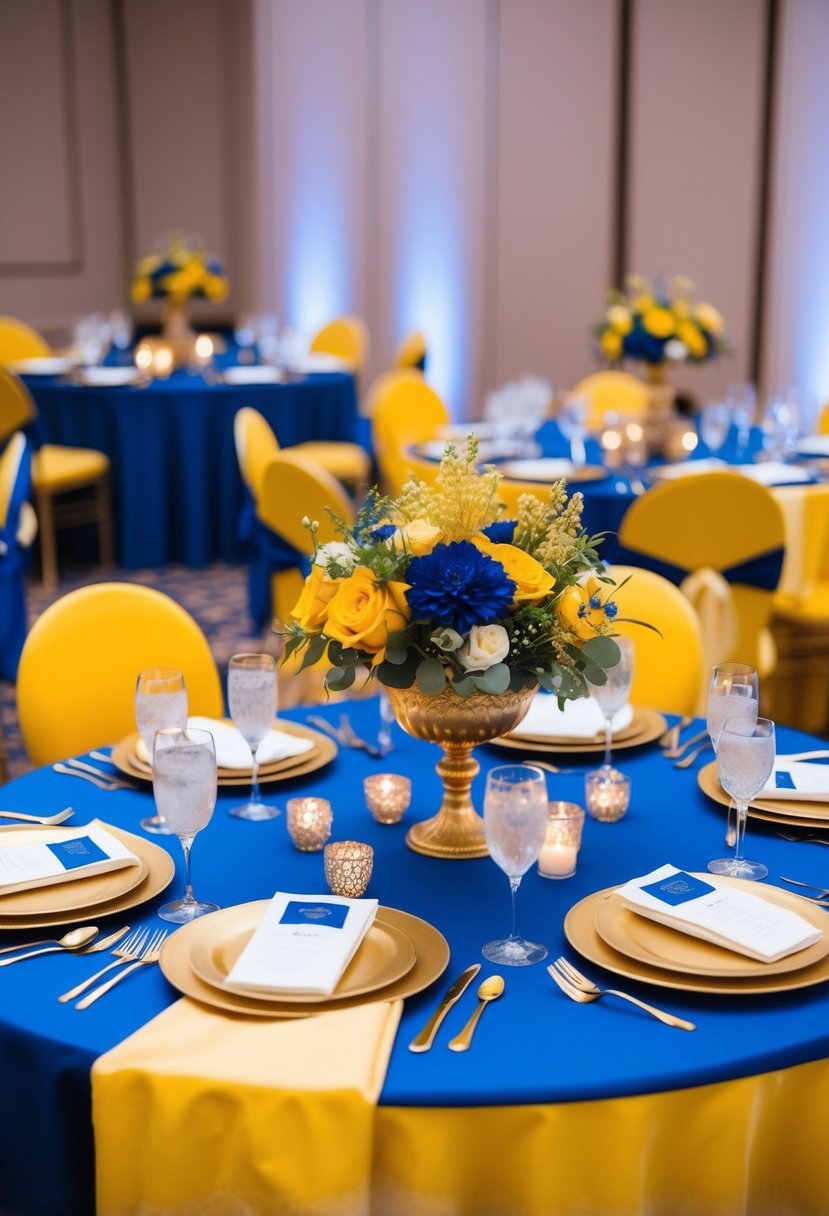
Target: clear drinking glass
613, 695
714, 425
184, 785
572, 422
733, 693
251, 694
160, 701
387, 718
742, 401
745, 759
515, 827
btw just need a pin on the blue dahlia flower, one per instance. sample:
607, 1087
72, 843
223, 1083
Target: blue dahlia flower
459, 586
383, 531
501, 532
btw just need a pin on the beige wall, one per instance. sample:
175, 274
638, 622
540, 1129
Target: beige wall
447, 165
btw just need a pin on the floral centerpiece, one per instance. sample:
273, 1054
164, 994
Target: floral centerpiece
462, 615
659, 325
181, 270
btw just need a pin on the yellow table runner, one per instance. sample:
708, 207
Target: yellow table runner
206, 1113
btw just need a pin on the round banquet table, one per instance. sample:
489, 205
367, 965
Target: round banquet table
552, 1095
177, 492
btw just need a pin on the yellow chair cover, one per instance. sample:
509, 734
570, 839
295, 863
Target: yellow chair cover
612, 392
76, 680
256, 445
201, 1112
19, 341
346, 337
714, 521
668, 669
412, 351
404, 411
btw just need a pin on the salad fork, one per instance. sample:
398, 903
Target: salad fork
579, 988
150, 954
688, 760
46, 821
127, 952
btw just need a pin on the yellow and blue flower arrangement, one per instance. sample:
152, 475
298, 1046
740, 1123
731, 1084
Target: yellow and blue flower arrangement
656, 325
180, 271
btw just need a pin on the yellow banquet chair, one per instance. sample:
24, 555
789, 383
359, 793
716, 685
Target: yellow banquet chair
80, 661
723, 536
669, 671
56, 471
404, 411
19, 341
256, 444
823, 420
346, 337
612, 392
412, 351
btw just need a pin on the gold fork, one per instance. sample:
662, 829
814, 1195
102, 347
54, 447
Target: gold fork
688, 760
151, 954
127, 952
45, 821
579, 988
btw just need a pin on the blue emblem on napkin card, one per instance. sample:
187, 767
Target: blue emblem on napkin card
678, 888
298, 912
784, 780
79, 852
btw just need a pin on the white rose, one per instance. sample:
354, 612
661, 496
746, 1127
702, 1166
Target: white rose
486, 646
336, 553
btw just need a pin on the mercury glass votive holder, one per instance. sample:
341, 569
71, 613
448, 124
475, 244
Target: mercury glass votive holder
387, 796
562, 842
348, 866
309, 823
607, 794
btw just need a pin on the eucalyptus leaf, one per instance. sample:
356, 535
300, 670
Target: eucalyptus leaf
339, 679
494, 680
396, 655
463, 686
402, 676
602, 650
431, 677
313, 651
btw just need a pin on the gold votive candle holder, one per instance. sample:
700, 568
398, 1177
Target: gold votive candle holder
348, 866
607, 794
309, 823
387, 796
562, 842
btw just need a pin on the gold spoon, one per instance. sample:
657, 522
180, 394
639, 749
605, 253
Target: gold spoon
488, 991
76, 939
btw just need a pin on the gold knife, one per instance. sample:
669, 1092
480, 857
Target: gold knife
423, 1041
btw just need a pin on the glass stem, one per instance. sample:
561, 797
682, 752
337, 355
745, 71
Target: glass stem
742, 815
608, 736
514, 884
187, 844
255, 796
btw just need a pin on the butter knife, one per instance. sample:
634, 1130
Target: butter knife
424, 1040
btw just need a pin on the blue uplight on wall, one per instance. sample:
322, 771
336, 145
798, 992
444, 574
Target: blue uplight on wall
317, 271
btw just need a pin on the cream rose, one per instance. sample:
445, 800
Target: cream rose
486, 646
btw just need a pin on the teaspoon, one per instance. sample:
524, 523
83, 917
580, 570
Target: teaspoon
488, 991
76, 939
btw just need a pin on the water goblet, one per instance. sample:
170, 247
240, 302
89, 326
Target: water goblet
251, 694
742, 401
572, 422
515, 827
613, 694
160, 701
714, 425
733, 693
184, 785
745, 759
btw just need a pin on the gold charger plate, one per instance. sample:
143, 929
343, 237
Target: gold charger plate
160, 870
774, 810
660, 946
580, 931
385, 954
139, 761
635, 727
432, 959
323, 752
647, 725
579, 472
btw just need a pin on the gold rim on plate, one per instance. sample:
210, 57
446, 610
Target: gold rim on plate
578, 472
160, 870
139, 761
385, 954
647, 725
773, 810
661, 946
580, 931
431, 960
634, 728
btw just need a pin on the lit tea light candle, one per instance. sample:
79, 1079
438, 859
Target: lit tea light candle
144, 357
607, 793
562, 841
162, 361
204, 347
348, 866
387, 796
309, 823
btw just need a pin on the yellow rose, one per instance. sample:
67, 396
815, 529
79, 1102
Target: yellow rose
620, 319
688, 333
709, 318
416, 537
576, 612
141, 290
215, 287
610, 344
311, 609
532, 582
363, 611
642, 303
659, 322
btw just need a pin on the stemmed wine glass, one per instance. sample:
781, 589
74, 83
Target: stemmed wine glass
184, 785
160, 701
742, 401
387, 718
515, 826
251, 694
733, 693
714, 425
572, 422
613, 694
745, 759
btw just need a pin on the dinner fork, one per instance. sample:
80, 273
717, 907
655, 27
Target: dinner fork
688, 760
355, 740
670, 738
127, 952
45, 821
82, 767
151, 954
102, 782
805, 839
823, 892
579, 988
673, 753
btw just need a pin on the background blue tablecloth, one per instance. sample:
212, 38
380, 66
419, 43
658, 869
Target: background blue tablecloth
533, 1046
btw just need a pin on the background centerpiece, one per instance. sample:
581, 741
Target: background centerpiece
179, 271
461, 615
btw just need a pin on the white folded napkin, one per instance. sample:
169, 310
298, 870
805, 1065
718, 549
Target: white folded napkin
798, 781
773, 473
44, 365
303, 944
80, 854
813, 445
107, 377
255, 374
715, 912
544, 468
581, 719
231, 749
688, 468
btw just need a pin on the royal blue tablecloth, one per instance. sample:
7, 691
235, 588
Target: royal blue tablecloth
534, 1046
177, 491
